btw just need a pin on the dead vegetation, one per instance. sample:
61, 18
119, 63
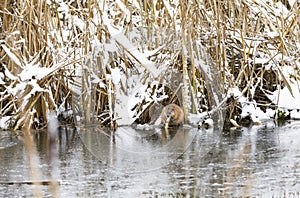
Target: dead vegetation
54, 53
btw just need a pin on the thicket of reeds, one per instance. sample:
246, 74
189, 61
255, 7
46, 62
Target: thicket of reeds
54, 51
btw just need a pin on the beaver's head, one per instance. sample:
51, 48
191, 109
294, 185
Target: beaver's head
172, 114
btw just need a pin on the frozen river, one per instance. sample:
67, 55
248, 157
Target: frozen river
261, 161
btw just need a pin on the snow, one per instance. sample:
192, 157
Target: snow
196, 119
19, 88
4, 122
281, 10
2, 79
261, 60
144, 93
292, 2
35, 89
116, 75
124, 9
12, 56
34, 72
254, 112
235, 91
140, 57
97, 80
209, 122
287, 71
146, 127
285, 99
273, 34
250, 108
295, 114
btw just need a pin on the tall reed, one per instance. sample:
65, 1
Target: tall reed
240, 42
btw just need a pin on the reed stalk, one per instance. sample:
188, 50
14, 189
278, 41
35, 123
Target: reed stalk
171, 36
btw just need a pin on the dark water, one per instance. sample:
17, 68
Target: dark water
261, 161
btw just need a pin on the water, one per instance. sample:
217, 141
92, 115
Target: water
262, 161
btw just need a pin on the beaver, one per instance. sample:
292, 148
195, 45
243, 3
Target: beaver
172, 115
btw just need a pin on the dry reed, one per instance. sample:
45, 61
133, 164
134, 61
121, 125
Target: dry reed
243, 43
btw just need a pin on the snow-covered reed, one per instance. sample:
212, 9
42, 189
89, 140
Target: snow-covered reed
97, 53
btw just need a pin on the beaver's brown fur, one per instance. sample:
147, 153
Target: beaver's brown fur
174, 113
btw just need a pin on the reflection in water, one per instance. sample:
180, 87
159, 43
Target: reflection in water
255, 161
137, 151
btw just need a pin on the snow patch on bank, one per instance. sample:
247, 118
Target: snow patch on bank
288, 101
285, 99
250, 108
